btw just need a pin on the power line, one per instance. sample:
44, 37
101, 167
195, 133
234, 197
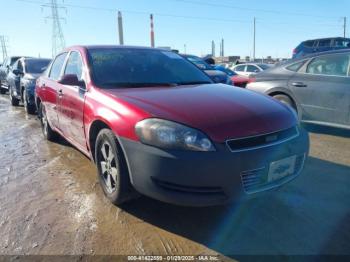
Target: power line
112, 10
58, 41
252, 9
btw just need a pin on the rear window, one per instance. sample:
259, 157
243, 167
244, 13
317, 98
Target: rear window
324, 43
129, 67
295, 67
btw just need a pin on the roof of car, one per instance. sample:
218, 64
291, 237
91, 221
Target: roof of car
326, 38
116, 47
292, 61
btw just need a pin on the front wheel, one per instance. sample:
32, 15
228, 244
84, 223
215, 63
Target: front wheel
29, 108
14, 100
48, 133
112, 169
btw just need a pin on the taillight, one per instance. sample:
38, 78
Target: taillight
294, 51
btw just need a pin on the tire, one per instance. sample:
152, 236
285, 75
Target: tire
30, 109
112, 169
14, 100
48, 133
2, 90
285, 100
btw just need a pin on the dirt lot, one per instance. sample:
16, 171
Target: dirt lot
51, 203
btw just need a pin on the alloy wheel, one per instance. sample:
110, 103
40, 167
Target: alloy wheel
108, 165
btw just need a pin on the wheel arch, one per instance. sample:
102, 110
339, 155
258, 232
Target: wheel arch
95, 127
288, 93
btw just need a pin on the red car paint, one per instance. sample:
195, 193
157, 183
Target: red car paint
241, 81
220, 111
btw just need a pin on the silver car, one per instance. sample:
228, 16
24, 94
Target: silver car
316, 86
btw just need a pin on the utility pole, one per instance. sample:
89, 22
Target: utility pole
152, 31
222, 48
213, 48
58, 42
254, 39
344, 26
185, 51
120, 28
3, 47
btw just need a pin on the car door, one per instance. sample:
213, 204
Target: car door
322, 87
72, 102
50, 88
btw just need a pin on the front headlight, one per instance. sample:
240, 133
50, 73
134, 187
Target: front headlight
168, 134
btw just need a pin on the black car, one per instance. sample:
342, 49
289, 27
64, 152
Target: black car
316, 86
21, 81
216, 75
4, 70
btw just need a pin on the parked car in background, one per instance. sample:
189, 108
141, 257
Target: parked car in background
4, 70
250, 68
241, 81
320, 45
237, 80
216, 75
317, 87
21, 81
155, 123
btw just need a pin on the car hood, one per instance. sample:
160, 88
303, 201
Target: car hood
217, 76
221, 111
31, 76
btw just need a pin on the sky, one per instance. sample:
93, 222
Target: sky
280, 25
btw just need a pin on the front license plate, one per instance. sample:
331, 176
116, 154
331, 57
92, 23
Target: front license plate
281, 168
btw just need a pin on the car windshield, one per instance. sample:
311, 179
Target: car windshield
36, 66
199, 62
132, 67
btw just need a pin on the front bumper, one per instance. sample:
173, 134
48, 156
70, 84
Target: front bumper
208, 178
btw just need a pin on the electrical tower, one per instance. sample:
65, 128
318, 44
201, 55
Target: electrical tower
3, 47
58, 42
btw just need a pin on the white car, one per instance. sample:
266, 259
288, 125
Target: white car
249, 69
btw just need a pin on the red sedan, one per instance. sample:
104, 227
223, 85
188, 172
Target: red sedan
156, 124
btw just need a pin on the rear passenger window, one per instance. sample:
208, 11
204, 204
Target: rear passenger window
56, 67
336, 65
324, 43
295, 67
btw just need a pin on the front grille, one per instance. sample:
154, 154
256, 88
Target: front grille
253, 142
257, 180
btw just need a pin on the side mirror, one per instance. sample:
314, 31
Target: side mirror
17, 72
71, 80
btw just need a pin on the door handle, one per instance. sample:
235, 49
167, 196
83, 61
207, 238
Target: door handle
299, 84
60, 93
